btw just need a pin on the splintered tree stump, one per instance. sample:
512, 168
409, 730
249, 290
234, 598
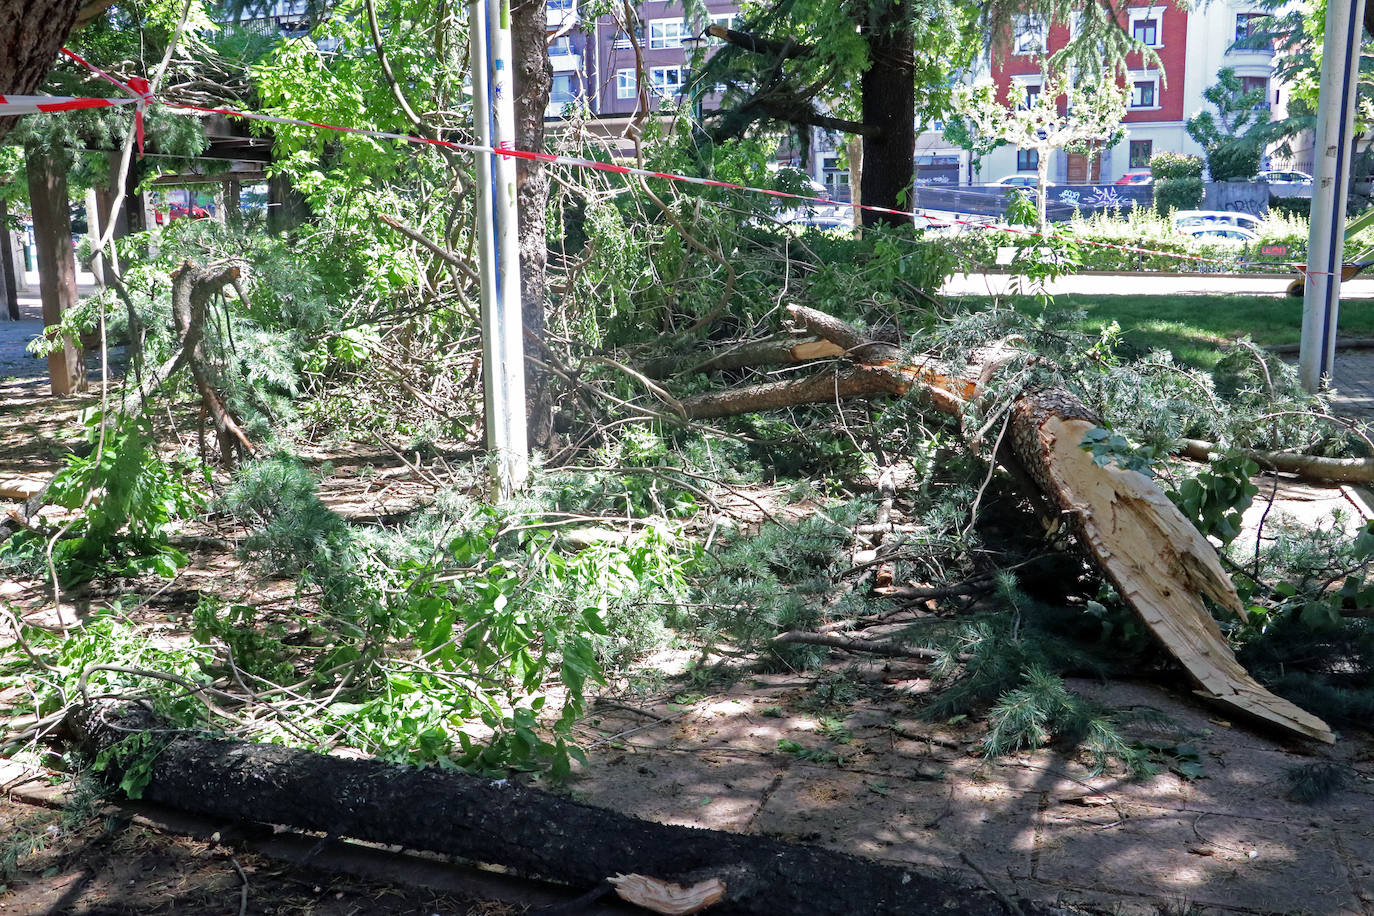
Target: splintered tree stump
534, 833
1157, 560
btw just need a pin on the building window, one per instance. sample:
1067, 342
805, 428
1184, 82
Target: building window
562, 90
1248, 26
1144, 93
1027, 160
666, 81
622, 38
1024, 92
560, 46
1147, 26
1141, 151
1029, 35
1146, 31
1249, 84
626, 84
666, 33
556, 5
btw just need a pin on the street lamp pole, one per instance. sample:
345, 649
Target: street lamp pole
1330, 185
503, 352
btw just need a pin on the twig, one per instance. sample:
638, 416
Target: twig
657, 389
1007, 902
616, 704
887, 649
243, 890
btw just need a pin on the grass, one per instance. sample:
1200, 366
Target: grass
1194, 327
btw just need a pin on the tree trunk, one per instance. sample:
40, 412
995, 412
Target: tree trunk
533, 79
1159, 563
9, 283
1042, 186
287, 206
855, 149
31, 32
888, 97
52, 230
533, 833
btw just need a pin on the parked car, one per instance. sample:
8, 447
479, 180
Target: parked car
1136, 177
1287, 182
179, 211
1018, 181
1219, 232
814, 213
1185, 219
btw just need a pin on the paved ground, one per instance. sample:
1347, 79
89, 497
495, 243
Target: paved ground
1039, 825
16, 362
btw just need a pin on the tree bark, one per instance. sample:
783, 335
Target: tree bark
533, 833
192, 288
1159, 563
9, 283
31, 32
52, 229
533, 79
287, 206
1307, 467
888, 94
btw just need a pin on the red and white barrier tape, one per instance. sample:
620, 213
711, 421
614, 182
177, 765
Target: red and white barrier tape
139, 88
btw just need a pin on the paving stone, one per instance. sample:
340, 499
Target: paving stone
1221, 861
925, 823
720, 790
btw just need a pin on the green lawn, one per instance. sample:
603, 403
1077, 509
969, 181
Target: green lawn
1193, 327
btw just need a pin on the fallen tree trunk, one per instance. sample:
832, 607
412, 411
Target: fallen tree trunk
1157, 560
534, 833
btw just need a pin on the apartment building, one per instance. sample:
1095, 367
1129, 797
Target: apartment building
1191, 45
599, 64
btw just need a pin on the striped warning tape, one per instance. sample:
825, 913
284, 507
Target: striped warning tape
142, 97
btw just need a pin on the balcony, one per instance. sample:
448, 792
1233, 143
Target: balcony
561, 13
565, 62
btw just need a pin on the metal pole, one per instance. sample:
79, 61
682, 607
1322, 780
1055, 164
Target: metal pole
1330, 184
503, 352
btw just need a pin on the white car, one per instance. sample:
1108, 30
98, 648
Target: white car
1287, 182
1018, 181
815, 213
1218, 232
1186, 219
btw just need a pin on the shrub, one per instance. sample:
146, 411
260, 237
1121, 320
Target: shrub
1166, 166
1292, 206
1178, 194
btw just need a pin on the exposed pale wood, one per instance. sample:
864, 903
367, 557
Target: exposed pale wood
659, 896
1161, 565
20, 487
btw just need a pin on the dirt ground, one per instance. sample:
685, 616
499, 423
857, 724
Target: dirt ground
839, 757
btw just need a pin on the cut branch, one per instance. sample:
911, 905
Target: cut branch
851, 644
1160, 564
1308, 467
769, 46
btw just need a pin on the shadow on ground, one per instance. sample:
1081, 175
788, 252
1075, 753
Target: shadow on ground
891, 786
